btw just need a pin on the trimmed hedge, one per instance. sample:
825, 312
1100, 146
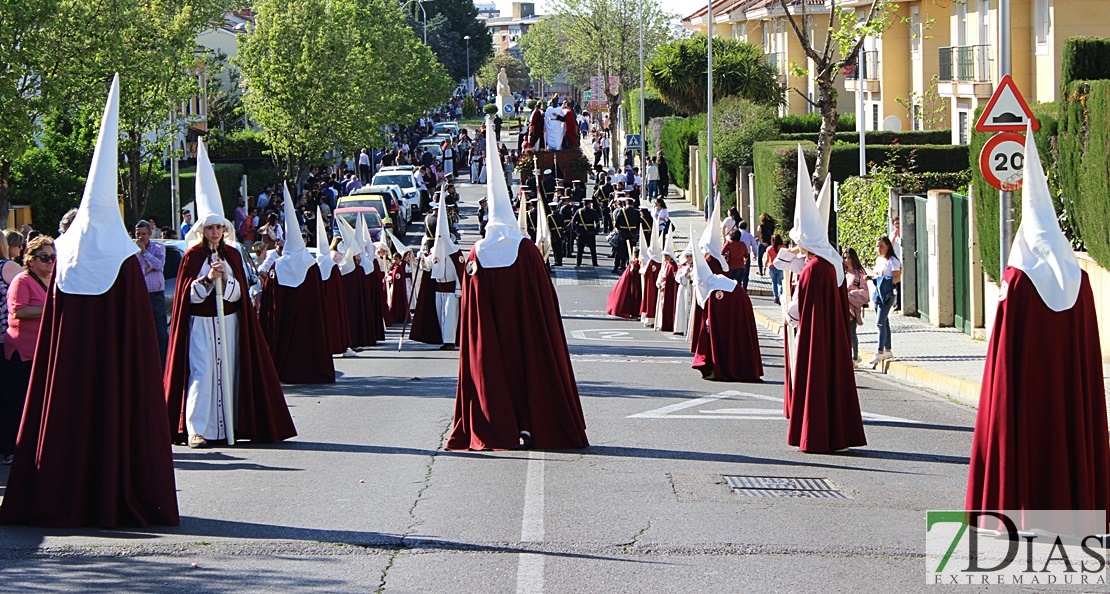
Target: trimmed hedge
985, 199
1085, 58
678, 135
228, 178
861, 214
882, 137
653, 105
1083, 166
237, 144
811, 123
776, 168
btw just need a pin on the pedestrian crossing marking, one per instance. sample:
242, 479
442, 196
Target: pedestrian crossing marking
734, 413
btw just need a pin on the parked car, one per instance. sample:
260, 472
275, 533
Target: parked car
351, 213
389, 202
433, 146
406, 184
175, 251
451, 128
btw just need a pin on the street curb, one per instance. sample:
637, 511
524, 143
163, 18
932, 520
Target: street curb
961, 390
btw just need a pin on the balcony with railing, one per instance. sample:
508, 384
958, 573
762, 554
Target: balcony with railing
777, 60
867, 68
965, 70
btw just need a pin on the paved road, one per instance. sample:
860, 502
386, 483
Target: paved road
365, 499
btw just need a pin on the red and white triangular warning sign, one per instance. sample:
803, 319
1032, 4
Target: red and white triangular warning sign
1007, 110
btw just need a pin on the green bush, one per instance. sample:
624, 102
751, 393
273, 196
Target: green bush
1083, 167
50, 188
737, 125
1085, 58
653, 108
985, 198
678, 135
490, 109
237, 144
776, 168
228, 178
882, 137
811, 122
258, 179
863, 203
469, 108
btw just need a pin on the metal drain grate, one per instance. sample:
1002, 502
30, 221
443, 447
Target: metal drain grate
778, 486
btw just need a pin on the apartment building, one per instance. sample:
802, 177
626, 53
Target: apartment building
507, 30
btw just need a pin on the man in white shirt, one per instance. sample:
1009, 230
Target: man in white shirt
364, 166
652, 179
753, 247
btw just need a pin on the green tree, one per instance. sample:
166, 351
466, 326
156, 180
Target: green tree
316, 78
844, 36
603, 38
449, 22
544, 49
678, 68
514, 69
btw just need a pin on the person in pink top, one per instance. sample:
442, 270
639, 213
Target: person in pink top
26, 298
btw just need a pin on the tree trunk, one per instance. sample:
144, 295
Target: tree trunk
826, 100
614, 139
5, 176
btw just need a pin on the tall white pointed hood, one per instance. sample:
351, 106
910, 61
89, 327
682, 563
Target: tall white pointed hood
209, 205
712, 237
645, 251
655, 248
705, 282
1040, 248
522, 217
543, 230
398, 245
668, 246
323, 251
824, 201
500, 246
365, 245
810, 231
443, 270
295, 259
348, 244
691, 243
94, 248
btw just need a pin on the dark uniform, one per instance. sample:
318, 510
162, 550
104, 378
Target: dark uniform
557, 223
483, 217
604, 197
627, 221
566, 211
585, 224
548, 185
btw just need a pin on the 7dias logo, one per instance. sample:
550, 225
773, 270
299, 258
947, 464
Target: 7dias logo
1020, 548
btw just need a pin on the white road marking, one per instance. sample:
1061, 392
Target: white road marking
746, 414
529, 573
607, 334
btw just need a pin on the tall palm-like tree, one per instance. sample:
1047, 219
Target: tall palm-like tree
678, 72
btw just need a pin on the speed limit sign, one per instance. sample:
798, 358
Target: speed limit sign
1002, 161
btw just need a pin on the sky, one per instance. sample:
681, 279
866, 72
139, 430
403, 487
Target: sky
679, 7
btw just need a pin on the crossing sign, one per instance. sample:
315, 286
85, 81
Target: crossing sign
632, 142
1007, 110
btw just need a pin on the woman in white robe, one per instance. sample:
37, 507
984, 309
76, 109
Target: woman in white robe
684, 302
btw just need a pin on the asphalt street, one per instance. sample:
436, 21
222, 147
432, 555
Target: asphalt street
365, 498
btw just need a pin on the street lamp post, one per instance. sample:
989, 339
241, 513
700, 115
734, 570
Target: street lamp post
643, 133
423, 12
468, 89
709, 113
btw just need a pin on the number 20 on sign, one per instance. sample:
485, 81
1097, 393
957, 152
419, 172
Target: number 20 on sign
1002, 161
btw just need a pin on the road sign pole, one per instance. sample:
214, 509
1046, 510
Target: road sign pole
709, 103
1005, 199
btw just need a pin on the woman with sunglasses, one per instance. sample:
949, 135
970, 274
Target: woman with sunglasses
26, 298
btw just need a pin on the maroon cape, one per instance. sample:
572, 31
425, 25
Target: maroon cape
1040, 436
535, 129
670, 298
398, 294
650, 291
295, 327
824, 406
93, 449
335, 313
624, 298
699, 312
261, 412
514, 367
375, 296
571, 138
425, 320
729, 345
358, 308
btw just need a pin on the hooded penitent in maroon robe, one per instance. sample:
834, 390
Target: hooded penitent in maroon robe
664, 319
334, 305
261, 412
93, 449
358, 308
728, 348
699, 312
514, 367
375, 297
824, 406
650, 291
624, 298
1040, 435
295, 327
398, 294
425, 320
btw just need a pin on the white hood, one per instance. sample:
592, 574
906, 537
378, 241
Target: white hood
705, 282
500, 246
655, 248
94, 248
1040, 249
443, 270
645, 251
824, 200
365, 245
668, 246
712, 238
209, 205
348, 245
295, 259
323, 251
810, 231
